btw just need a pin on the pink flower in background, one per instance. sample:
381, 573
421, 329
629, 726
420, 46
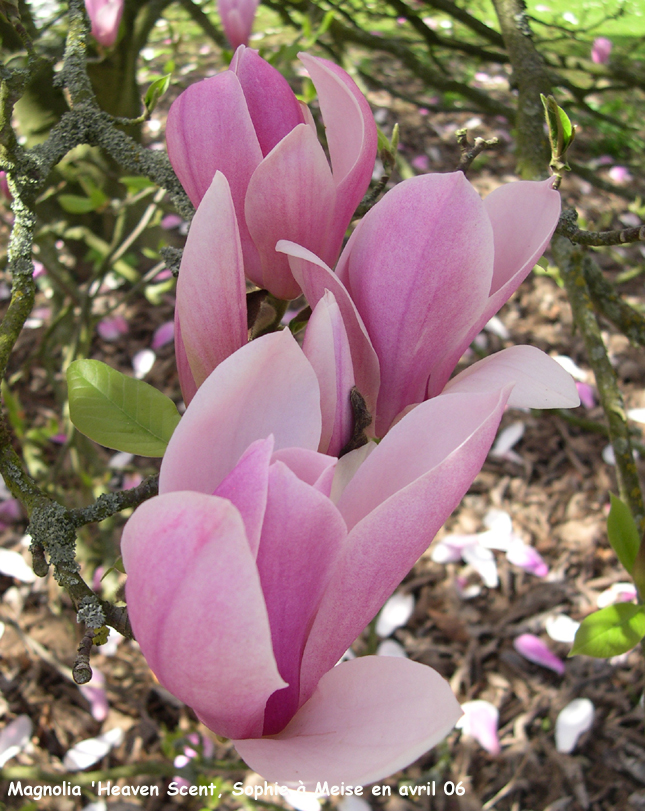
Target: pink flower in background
163, 335
105, 16
421, 275
112, 328
620, 175
247, 123
586, 394
237, 18
4, 187
601, 50
421, 163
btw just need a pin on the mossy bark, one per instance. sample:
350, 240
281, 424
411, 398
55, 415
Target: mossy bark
531, 78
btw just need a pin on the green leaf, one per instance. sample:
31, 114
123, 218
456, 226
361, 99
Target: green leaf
610, 632
74, 204
135, 184
117, 411
156, 91
622, 532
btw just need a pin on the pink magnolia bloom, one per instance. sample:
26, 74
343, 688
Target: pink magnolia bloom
422, 278
421, 275
263, 558
601, 50
237, 18
247, 123
105, 16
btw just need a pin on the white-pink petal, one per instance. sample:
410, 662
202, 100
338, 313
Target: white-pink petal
266, 387
479, 721
573, 721
367, 718
394, 614
539, 382
15, 737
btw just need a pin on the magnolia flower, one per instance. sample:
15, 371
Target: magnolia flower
247, 123
237, 19
432, 279
421, 275
105, 16
601, 50
262, 559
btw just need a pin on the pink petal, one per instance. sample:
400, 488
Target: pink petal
316, 469
111, 329
186, 379
538, 381
418, 268
352, 139
237, 19
94, 692
315, 277
197, 609
290, 196
527, 558
163, 335
171, 221
272, 105
105, 16
209, 128
15, 737
211, 292
532, 648
601, 50
266, 387
367, 719
586, 394
524, 216
246, 486
327, 348
620, 174
617, 593
394, 505
479, 721
10, 510
301, 538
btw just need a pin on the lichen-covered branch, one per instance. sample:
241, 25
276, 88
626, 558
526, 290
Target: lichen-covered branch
571, 261
568, 228
609, 303
532, 80
111, 503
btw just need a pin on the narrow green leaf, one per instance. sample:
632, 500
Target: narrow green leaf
74, 204
156, 91
610, 632
135, 183
622, 532
117, 411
